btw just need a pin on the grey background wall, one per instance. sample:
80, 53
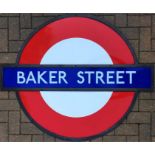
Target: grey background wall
140, 123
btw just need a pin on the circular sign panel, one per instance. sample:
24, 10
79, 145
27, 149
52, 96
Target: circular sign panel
76, 40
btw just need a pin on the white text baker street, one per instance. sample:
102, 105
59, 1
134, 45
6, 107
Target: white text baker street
81, 77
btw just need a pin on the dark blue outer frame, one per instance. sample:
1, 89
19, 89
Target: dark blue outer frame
136, 62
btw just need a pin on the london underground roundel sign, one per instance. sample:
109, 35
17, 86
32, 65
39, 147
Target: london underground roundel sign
77, 77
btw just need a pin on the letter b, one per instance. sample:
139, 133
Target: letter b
20, 77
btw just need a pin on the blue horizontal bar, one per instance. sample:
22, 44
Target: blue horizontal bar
78, 77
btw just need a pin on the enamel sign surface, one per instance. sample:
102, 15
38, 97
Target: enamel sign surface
77, 77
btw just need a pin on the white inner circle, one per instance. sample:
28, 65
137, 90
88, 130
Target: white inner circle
76, 51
